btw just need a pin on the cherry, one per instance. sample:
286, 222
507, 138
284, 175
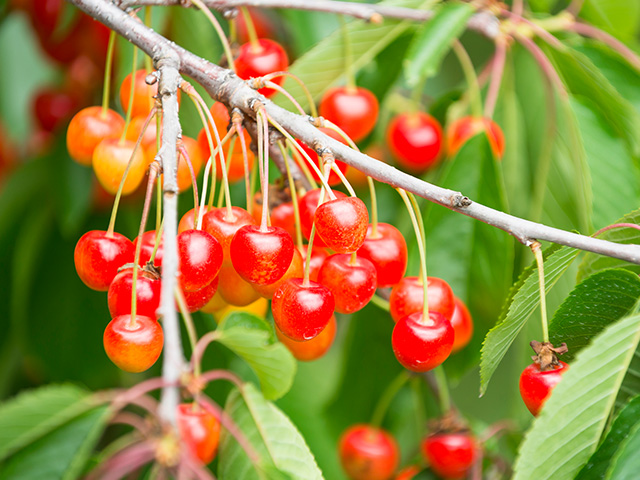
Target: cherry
450, 455
536, 384
52, 107
314, 348
318, 256
45, 15
148, 142
352, 282
199, 430
148, 240
408, 297
200, 257
259, 60
387, 250
307, 206
110, 159
198, 299
195, 156
216, 304
368, 453
464, 128
224, 228
302, 311
188, 220
415, 139
462, 325
342, 223
408, 473
283, 216
143, 94
98, 256
334, 179
147, 293
353, 109
295, 270
88, 128
133, 348
421, 346
234, 290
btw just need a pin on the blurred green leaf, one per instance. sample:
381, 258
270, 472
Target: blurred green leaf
523, 299
433, 40
620, 18
593, 262
625, 422
251, 338
272, 435
568, 429
594, 304
625, 464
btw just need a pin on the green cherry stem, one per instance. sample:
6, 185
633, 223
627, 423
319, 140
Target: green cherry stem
444, 397
263, 144
132, 89
189, 325
294, 195
216, 26
536, 248
251, 29
302, 164
470, 77
305, 89
348, 57
148, 65
340, 175
307, 265
236, 120
387, 397
374, 207
156, 244
380, 303
106, 89
159, 218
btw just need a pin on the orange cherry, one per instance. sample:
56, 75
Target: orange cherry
314, 348
88, 128
143, 100
110, 160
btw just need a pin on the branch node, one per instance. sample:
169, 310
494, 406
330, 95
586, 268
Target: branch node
460, 201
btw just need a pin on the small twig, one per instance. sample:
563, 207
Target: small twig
497, 69
593, 32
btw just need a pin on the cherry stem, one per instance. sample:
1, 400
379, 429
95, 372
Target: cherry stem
124, 398
444, 397
517, 7
221, 195
537, 252
221, 35
156, 244
148, 66
278, 88
236, 119
342, 178
201, 346
116, 201
107, 73
213, 375
132, 90
302, 164
393, 388
188, 323
575, 6
593, 32
263, 145
416, 94
497, 70
348, 57
312, 104
354, 259
381, 303
616, 225
294, 196
307, 265
470, 77
251, 29
194, 182
374, 207
159, 218
544, 63
421, 248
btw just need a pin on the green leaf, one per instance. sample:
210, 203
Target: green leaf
35, 413
523, 299
594, 304
324, 65
626, 463
271, 433
627, 419
434, 40
567, 431
620, 18
62, 453
251, 338
593, 262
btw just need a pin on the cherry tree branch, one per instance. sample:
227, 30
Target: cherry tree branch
226, 87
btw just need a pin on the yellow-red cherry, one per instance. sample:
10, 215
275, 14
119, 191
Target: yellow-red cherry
387, 250
318, 256
408, 297
464, 128
110, 159
143, 94
415, 140
133, 346
342, 224
301, 311
307, 206
197, 299
462, 324
536, 384
352, 282
147, 293
368, 453
199, 431
188, 220
234, 290
224, 227
311, 349
259, 59
450, 455
421, 346
353, 109
98, 256
148, 240
295, 270
88, 128
200, 256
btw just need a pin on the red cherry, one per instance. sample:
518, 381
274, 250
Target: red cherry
200, 257
334, 179
147, 294
408, 296
261, 59
143, 100
420, 346
295, 270
234, 290
307, 205
188, 220
464, 128
261, 256
45, 15
88, 128
450, 455
224, 228
342, 223
352, 283
314, 348
98, 257
52, 107
133, 348
387, 250
318, 256
353, 109
199, 430
146, 249
283, 216
198, 299
415, 139
368, 453
462, 325
110, 159
536, 385
301, 311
